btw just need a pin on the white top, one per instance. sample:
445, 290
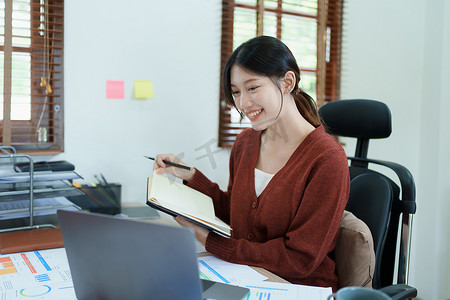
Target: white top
261, 181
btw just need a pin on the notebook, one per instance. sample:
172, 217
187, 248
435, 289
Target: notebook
177, 199
114, 258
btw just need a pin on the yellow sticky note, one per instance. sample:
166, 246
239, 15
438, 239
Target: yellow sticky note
143, 89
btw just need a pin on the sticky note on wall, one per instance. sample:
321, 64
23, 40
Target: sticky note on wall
115, 89
143, 89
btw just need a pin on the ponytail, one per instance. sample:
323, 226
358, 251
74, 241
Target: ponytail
307, 107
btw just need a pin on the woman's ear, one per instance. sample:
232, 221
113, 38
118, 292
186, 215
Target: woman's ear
289, 82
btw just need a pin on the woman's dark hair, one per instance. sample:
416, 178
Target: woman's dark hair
268, 56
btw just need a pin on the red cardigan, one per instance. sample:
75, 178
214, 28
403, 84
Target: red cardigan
291, 228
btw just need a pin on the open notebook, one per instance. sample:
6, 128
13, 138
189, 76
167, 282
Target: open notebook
177, 199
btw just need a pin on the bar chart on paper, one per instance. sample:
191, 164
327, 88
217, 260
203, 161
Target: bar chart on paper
215, 269
283, 291
41, 274
266, 293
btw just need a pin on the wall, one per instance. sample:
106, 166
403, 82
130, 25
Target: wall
175, 46
391, 53
442, 225
394, 52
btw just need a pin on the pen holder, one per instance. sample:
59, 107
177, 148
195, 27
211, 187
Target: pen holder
104, 199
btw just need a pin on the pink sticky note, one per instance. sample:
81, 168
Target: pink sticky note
115, 89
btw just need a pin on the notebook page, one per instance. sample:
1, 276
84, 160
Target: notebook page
177, 196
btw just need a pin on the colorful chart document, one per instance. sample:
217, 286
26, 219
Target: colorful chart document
285, 291
215, 269
43, 274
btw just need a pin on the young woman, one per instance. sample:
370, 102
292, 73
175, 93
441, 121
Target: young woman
289, 180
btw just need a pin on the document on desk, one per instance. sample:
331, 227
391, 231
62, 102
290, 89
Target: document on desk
43, 274
215, 269
285, 291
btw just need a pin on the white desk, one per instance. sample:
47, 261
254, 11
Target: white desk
45, 275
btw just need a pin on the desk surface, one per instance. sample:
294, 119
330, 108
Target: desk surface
165, 219
40, 273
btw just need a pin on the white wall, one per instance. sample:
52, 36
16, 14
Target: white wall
442, 224
177, 47
391, 53
397, 52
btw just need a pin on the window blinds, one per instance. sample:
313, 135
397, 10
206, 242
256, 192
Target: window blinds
31, 54
310, 28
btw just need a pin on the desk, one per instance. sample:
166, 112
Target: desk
165, 219
46, 274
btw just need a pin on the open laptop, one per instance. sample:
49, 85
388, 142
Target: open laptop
112, 258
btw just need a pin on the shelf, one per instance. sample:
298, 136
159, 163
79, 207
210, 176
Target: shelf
42, 206
24, 195
38, 176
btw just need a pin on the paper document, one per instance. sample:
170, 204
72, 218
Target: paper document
178, 196
41, 274
285, 291
39, 176
216, 269
13, 209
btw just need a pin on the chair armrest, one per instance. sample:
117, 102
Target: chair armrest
406, 182
399, 291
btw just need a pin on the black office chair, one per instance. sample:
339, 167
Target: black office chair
374, 197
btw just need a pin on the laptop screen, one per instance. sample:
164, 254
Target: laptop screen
113, 258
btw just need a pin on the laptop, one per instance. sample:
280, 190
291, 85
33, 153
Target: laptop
114, 258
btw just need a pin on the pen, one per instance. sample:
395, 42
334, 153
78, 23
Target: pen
171, 163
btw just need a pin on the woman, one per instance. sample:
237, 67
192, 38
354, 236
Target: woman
289, 180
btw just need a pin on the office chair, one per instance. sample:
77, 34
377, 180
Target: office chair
374, 197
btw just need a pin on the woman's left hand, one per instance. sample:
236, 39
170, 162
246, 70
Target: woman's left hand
201, 233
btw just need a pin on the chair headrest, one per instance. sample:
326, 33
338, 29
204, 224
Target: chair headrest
358, 118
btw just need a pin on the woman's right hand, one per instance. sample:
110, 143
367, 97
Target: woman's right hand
162, 168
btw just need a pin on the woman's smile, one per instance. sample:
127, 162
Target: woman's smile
253, 114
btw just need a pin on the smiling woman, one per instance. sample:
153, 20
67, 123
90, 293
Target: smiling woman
259, 64
289, 180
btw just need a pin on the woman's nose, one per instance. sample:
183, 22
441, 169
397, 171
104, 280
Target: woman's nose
245, 101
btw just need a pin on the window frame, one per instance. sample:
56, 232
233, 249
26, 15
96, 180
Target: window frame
329, 35
47, 54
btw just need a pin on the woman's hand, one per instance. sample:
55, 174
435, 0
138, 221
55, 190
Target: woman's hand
201, 233
162, 168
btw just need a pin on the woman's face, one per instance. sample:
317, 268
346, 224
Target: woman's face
256, 96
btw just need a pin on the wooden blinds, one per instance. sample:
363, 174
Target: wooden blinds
31, 54
334, 14
310, 28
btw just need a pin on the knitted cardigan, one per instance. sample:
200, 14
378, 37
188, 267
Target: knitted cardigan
291, 228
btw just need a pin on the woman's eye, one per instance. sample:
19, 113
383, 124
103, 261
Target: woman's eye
235, 93
252, 88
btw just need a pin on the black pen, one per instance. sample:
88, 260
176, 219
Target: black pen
171, 163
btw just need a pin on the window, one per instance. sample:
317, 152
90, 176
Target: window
31, 69
310, 28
